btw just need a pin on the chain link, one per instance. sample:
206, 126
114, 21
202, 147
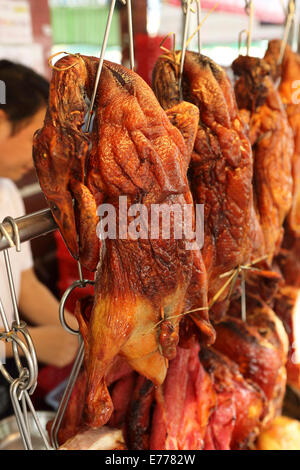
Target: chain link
17, 333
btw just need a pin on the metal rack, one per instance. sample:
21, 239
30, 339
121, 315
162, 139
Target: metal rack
13, 233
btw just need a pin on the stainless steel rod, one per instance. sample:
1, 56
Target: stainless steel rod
30, 226
130, 33
101, 60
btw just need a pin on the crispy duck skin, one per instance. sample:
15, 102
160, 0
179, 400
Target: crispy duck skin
272, 142
241, 404
135, 152
288, 73
220, 172
60, 150
141, 155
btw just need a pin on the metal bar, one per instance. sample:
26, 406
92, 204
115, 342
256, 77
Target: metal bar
103, 49
287, 30
30, 226
3, 317
19, 416
11, 286
130, 33
184, 39
66, 395
291, 36
37, 421
26, 420
250, 31
199, 9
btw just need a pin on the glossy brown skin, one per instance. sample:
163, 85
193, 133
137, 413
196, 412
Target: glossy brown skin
273, 146
287, 74
220, 172
135, 152
60, 150
140, 155
248, 400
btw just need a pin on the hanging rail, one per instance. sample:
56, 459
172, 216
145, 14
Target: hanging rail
29, 226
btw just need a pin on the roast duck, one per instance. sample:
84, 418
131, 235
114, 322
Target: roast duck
142, 286
221, 168
168, 359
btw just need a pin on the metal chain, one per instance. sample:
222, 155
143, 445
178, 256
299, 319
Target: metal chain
24, 385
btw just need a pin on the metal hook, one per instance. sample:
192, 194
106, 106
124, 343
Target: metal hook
17, 243
16, 236
101, 59
186, 6
80, 284
249, 9
288, 25
66, 395
22, 328
130, 31
30, 379
24, 431
37, 421
240, 38
16, 233
11, 285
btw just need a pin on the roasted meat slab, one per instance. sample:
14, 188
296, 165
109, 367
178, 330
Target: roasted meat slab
287, 74
259, 348
183, 404
143, 284
204, 403
272, 142
220, 172
240, 406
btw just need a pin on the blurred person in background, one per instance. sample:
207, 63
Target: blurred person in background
23, 113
